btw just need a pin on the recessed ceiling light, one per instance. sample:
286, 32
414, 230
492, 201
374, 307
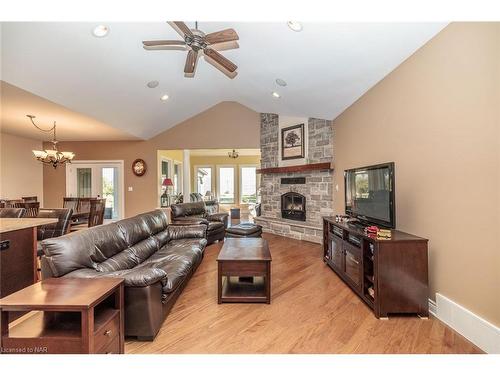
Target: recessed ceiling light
280, 82
294, 25
153, 84
275, 94
100, 31
164, 97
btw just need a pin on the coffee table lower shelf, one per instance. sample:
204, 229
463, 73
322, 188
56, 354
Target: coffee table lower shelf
234, 290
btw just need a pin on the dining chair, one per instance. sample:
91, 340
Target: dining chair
11, 212
30, 199
63, 216
96, 216
84, 204
71, 202
15, 203
31, 208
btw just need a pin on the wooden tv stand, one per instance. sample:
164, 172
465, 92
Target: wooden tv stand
390, 276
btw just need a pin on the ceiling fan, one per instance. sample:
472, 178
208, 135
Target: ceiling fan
197, 43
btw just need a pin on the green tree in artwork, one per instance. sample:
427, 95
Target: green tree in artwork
291, 138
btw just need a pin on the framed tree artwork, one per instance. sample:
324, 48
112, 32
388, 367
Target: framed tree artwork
292, 142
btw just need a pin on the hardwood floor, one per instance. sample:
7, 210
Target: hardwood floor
311, 311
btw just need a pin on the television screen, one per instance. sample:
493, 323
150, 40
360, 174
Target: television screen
369, 194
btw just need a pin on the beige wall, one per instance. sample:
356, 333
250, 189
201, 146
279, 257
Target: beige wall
437, 117
226, 125
21, 174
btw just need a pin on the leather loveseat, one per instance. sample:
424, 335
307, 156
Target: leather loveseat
156, 261
196, 213
211, 205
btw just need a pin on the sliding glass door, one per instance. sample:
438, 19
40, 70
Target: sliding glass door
97, 180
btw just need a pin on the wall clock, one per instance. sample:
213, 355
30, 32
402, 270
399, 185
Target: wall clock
139, 167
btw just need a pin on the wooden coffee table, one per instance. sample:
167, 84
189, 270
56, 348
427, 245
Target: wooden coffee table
65, 315
244, 271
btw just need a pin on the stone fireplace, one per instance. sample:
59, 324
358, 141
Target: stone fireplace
293, 203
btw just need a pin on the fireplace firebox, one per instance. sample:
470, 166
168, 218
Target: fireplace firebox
293, 206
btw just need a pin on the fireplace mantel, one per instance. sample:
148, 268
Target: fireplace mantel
297, 168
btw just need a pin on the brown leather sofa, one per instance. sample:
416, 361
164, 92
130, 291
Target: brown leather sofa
156, 261
196, 213
212, 205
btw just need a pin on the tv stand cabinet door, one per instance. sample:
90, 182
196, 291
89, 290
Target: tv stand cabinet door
337, 252
353, 264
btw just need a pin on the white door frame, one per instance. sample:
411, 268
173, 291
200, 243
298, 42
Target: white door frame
121, 178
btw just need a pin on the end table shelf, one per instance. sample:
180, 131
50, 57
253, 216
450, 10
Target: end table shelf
65, 316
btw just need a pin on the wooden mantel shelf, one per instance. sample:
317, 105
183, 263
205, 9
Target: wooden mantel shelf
297, 168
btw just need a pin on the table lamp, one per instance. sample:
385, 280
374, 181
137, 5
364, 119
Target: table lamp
165, 197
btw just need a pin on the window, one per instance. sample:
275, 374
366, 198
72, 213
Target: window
248, 184
203, 180
226, 185
177, 180
164, 169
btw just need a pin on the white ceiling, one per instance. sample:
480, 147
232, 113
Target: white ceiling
71, 125
327, 66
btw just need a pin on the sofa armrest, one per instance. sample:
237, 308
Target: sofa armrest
135, 277
189, 221
144, 276
177, 232
221, 217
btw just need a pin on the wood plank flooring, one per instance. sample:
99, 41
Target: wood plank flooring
311, 311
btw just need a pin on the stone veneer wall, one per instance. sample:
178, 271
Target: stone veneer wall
317, 189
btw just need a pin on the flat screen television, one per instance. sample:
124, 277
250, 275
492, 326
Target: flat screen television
369, 194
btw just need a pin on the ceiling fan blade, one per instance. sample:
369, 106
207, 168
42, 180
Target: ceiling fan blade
219, 59
221, 68
222, 36
191, 59
225, 46
181, 28
154, 43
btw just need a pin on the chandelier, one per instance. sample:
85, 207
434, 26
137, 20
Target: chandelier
233, 154
53, 157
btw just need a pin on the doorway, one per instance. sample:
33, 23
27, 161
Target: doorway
101, 179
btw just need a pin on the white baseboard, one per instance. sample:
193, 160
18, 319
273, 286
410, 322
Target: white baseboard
432, 308
474, 328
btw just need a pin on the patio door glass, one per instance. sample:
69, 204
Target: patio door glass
97, 180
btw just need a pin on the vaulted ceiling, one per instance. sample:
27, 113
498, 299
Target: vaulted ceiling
327, 66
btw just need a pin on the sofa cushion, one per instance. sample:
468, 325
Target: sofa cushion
177, 259
135, 229
129, 257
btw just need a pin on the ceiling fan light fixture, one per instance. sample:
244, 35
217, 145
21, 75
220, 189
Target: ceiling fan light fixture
276, 95
152, 84
100, 31
280, 82
295, 25
164, 98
